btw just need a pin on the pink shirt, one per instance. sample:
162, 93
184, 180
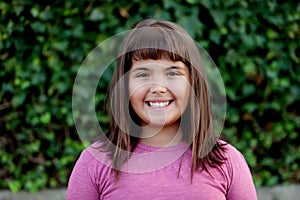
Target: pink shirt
156, 177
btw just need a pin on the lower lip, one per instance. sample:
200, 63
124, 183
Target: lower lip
160, 108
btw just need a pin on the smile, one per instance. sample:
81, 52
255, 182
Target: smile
160, 104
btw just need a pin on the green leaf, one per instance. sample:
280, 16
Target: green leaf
45, 118
14, 185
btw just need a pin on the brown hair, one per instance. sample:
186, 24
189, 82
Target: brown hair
154, 39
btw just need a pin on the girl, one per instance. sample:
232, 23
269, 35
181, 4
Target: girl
161, 143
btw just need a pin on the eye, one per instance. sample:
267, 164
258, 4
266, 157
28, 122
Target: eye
142, 75
173, 73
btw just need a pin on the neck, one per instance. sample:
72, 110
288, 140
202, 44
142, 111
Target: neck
161, 136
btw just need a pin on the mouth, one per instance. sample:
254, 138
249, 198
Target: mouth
158, 104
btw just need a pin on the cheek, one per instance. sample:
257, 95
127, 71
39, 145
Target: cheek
181, 90
135, 89
137, 96
182, 94
185, 95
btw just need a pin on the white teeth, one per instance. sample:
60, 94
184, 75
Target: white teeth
158, 104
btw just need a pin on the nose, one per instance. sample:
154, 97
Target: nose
158, 88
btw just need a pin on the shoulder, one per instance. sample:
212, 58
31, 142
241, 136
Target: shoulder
93, 165
235, 163
231, 152
93, 162
89, 174
95, 154
240, 182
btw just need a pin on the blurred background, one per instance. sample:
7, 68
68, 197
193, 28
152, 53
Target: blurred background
255, 44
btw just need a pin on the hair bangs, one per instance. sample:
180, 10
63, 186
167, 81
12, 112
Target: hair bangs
156, 54
158, 43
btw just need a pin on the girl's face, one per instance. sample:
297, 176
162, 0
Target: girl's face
159, 91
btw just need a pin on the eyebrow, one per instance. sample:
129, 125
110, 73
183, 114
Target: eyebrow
147, 69
140, 69
175, 67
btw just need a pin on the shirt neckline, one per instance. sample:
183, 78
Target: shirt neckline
150, 148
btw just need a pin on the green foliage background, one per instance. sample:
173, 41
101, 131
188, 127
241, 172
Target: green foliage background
256, 45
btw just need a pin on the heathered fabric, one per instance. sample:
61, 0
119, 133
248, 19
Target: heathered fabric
157, 176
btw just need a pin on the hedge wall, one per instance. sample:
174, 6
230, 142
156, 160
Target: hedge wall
256, 45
